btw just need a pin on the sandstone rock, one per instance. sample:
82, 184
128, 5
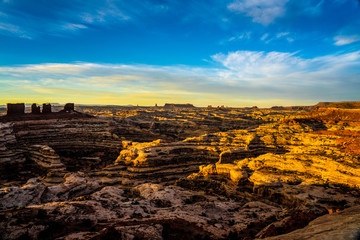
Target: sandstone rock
342, 225
15, 109
35, 109
69, 107
35, 192
46, 108
31, 193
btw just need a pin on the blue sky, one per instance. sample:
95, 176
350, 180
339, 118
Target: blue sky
235, 52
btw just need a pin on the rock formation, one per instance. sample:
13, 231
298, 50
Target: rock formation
69, 107
342, 225
35, 109
15, 109
46, 108
173, 105
12, 159
45, 157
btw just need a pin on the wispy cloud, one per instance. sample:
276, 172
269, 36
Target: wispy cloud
242, 78
330, 77
282, 34
30, 19
267, 38
285, 35
264, 37
244, 35
344, 40
314, 9
261, 11
13, 30
248, 65
73, 26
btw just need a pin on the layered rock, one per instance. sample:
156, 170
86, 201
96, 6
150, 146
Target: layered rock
71, 139
341, 225
45, 157
10, 156
269, 177
155, 161
46, 147
178, 124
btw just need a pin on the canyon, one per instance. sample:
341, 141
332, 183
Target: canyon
181, 172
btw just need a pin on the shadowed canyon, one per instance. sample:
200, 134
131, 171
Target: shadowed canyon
180, 172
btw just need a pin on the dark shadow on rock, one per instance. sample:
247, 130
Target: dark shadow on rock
255, 148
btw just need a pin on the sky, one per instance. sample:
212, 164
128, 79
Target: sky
236, 53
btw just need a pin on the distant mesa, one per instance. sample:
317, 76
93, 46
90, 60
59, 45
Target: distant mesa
35, 109
292, 108
341, 105
69, 107
16, 112
46, 108
19, 108
15, 109
173, 105
344, 105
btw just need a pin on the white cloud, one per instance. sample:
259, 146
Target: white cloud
337, 73
245, 35
252, 64
14, 30
264, 36
282, 34
242, 75
314, 10
109, 12
72, 16
73, 26
261, 11
344, 40
286, 36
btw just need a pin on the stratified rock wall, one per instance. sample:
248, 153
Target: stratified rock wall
57, 143
11, 157
45, 157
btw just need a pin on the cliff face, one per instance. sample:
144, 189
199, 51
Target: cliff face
267, 178
12, 158
54, 144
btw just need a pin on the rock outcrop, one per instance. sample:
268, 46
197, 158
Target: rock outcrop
15, 109
46, 108
35, 109
56, 144
45, 157
69, 107
12, 159
341, 225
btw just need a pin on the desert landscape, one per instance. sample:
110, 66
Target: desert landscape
180, 172
179, 119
